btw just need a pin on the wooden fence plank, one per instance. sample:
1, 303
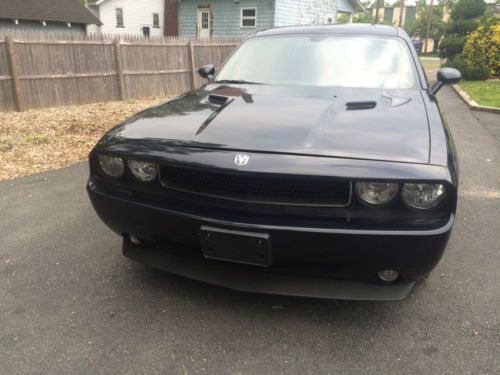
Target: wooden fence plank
119, 70
191, 65
11, 55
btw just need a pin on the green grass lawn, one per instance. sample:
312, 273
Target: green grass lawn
430, 64
483, 92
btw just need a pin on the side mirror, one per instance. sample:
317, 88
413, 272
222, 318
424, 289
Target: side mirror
445, 76
207, 71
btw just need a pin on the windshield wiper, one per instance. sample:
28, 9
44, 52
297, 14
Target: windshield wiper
237, 81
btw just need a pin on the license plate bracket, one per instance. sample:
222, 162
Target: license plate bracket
236, 246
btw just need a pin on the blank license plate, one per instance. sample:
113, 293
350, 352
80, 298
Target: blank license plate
236, 246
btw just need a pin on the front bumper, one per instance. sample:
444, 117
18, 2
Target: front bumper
313, 262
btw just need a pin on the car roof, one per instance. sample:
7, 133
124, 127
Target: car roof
349, 28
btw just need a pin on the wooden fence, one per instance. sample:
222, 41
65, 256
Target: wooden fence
44, 71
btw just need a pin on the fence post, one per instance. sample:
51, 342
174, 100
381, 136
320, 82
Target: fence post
119, 69
14, 77
191, 58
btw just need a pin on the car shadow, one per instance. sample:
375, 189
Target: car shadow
217, 301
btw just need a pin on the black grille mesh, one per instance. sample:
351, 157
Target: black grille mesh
257, 187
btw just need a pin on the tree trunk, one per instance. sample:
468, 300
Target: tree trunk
401, 10
377, 12
429, 22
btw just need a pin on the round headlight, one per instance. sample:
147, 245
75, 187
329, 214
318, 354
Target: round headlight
423, 196
111, 165
143, 171
376, 193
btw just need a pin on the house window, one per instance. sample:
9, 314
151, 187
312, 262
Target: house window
204, 20
119, 17
156, 20
249, 17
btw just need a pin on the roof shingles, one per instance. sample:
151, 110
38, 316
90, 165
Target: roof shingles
47, 10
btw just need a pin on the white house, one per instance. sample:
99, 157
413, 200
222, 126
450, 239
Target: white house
212, 18
144, 17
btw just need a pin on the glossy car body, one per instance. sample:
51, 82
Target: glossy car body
240, 163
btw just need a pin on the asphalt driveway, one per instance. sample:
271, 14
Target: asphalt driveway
71, 304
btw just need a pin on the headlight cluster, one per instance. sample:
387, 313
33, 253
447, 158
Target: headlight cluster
377, 193
143, 171
423, 196
415, 195
111, 165
115, 167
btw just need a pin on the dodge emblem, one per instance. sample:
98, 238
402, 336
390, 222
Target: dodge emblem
241, 159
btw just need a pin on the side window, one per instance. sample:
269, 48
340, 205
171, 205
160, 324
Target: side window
119, 17
156, 20
249, 17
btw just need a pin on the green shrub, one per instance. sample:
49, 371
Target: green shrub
451, 45
462, 27
458, 63
468, 72
476, 73
465, 9
482, 48
465, 17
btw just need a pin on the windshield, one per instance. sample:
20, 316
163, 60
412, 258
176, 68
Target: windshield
322, 60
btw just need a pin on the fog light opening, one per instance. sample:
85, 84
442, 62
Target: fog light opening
134, 239
388, 276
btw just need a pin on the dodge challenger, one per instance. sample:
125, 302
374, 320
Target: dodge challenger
314, 162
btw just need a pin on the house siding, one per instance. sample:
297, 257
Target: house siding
286, 13
292, 12
225, 16
136, 14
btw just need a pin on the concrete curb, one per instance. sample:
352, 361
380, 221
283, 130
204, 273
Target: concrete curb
471, 103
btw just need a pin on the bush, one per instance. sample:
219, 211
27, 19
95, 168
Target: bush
476, 73
464, 19
464, 9
451, 46
469, 72
462, 27
458, 63
482, 48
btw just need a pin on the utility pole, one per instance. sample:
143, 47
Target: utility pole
377, 11
401, 9
429, 22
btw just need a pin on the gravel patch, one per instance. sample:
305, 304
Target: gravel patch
50, 138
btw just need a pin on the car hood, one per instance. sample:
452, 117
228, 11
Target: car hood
371, 124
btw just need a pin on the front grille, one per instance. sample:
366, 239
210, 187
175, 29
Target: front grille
257, 187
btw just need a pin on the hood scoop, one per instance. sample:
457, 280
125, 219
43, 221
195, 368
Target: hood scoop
350, 106
395, 101
217, 99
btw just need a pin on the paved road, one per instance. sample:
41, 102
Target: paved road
71, 304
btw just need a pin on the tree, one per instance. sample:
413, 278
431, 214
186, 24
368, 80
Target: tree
468, 9
465, 16
401, 4
378, 4
363, 17
418, 27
